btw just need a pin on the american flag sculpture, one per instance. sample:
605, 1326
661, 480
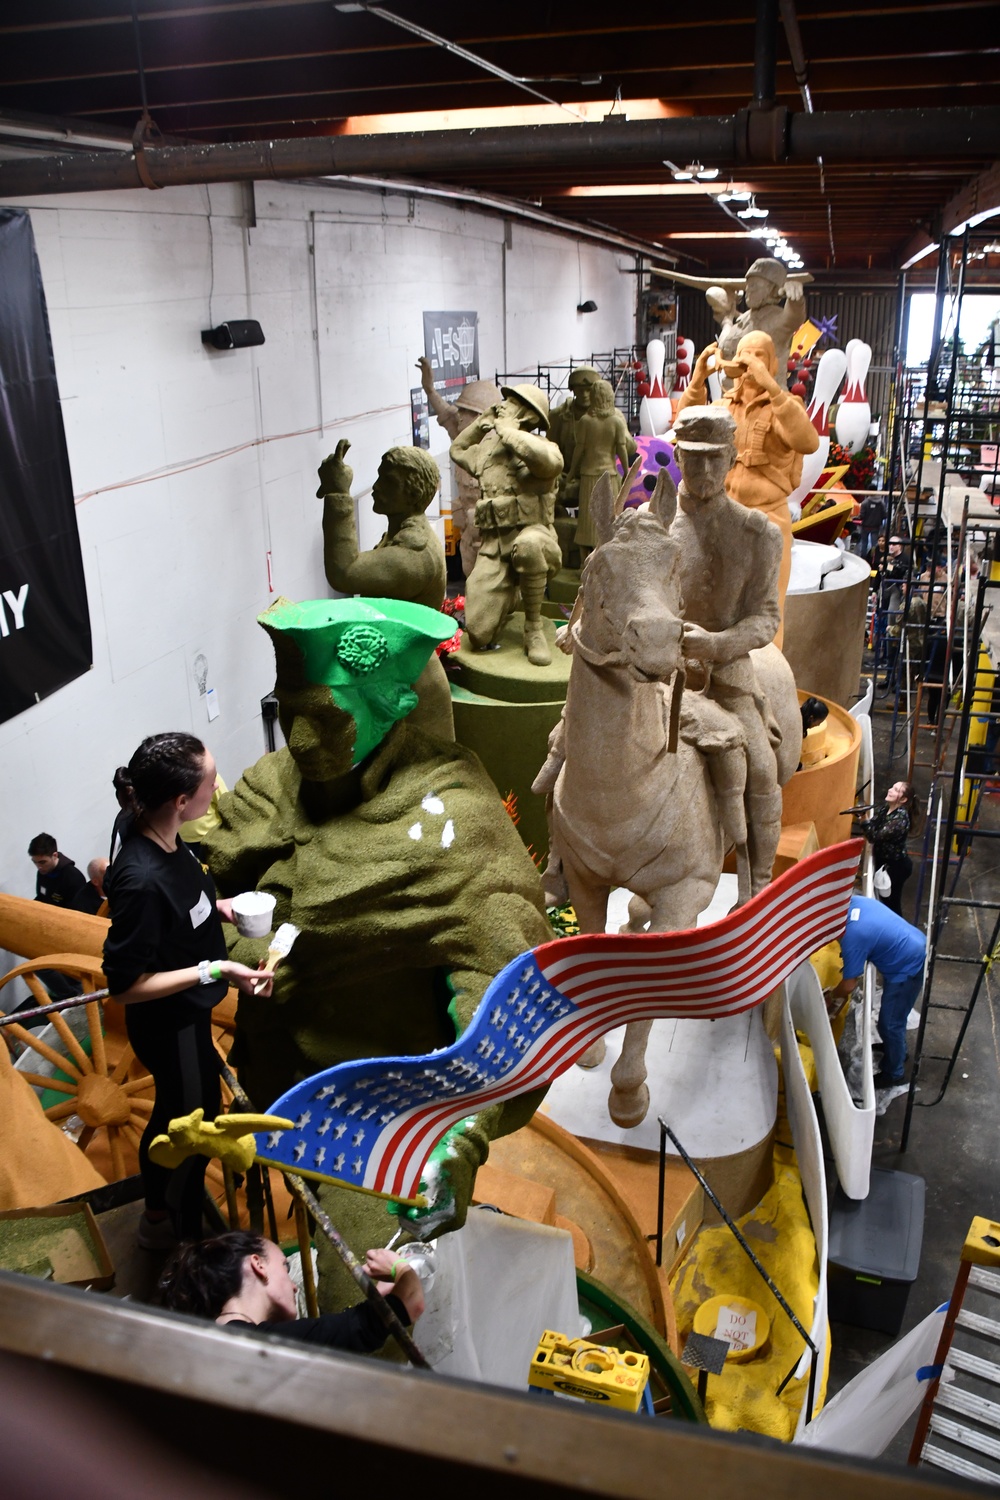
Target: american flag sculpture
372, 1124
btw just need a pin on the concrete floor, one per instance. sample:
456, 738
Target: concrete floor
954, 1145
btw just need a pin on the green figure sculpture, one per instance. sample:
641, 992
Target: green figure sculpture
408, 563
394, 855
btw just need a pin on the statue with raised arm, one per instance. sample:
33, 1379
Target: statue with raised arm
408, 563
518, 471
775, 305
773, 431
454, 416
393, 854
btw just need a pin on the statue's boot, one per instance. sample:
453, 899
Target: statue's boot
536, 647
764, 820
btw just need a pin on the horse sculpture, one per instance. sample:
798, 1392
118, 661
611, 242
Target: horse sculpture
631, 800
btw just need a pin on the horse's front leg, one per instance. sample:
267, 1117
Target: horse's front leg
670, 909
589, 900
628, 1101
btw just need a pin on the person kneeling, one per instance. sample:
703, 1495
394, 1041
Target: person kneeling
241, 1279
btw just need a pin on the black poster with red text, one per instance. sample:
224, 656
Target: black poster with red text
44, 620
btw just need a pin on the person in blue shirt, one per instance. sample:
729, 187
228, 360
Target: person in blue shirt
876, 934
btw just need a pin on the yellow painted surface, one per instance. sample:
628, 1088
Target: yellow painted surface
982, 699
828, 964
706, 1321
778, 1229
805, 337
982, 1243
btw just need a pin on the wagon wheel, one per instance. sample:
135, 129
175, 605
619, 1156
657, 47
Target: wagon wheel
110, 1091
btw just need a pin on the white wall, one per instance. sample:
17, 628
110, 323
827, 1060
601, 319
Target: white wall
176, 564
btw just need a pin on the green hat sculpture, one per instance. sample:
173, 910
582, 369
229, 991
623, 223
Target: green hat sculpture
368, 652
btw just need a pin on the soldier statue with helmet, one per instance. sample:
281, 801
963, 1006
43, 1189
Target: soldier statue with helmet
454, 416
518, 470
775, 304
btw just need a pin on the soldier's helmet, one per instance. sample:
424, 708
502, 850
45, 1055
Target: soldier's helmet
531, 396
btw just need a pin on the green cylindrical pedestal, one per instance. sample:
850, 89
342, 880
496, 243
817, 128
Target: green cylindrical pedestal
564, 587
505, 710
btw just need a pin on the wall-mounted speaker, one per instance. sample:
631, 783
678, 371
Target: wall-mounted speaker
238, 333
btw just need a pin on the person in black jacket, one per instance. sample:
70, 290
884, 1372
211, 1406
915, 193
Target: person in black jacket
58, 881
165, 961
242, 1280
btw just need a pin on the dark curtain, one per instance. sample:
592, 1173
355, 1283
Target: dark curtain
44, 620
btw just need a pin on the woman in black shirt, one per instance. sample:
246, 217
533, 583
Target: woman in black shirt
242, 1281
165, 960
887, 830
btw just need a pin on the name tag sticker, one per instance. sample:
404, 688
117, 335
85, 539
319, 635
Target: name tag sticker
201, 911
855, 915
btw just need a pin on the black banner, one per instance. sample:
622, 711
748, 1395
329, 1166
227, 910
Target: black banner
451, 343
44, 620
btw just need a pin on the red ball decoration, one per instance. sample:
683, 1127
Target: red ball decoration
798, 389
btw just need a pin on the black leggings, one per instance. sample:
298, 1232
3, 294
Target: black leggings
899, 871
173, 1039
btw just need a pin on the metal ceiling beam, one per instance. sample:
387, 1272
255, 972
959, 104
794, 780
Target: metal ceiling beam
749, 136
979, 196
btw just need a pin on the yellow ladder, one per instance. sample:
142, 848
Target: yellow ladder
957, 1418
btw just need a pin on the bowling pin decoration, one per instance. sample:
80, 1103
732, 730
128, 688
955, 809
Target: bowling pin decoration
656, 412
829, 373
685, 364
854, 415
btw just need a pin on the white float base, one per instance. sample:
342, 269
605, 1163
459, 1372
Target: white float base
714, 1082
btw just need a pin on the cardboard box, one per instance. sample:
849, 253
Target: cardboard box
73, 1261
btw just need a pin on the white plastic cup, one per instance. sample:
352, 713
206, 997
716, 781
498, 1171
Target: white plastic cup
254, 913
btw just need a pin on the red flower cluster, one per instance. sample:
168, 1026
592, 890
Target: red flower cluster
455, 608
860, 465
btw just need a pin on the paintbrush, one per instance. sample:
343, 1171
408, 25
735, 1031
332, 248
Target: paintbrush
280, 946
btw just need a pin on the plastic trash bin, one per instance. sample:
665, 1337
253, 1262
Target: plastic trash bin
875, 1245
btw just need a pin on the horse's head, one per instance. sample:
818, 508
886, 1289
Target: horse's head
630, 606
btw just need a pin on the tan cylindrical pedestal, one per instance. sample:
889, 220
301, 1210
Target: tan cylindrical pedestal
819, 794
739, 1182
825, 638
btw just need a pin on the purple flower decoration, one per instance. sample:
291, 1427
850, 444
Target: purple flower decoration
656, 454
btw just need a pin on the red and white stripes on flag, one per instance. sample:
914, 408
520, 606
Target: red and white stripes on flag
373, 1124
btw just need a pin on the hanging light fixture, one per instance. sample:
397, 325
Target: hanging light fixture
731, 194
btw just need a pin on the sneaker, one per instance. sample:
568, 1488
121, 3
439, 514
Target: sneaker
883, 1081
155, 1234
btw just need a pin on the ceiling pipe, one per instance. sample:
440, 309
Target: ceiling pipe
765, 55
615, 143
